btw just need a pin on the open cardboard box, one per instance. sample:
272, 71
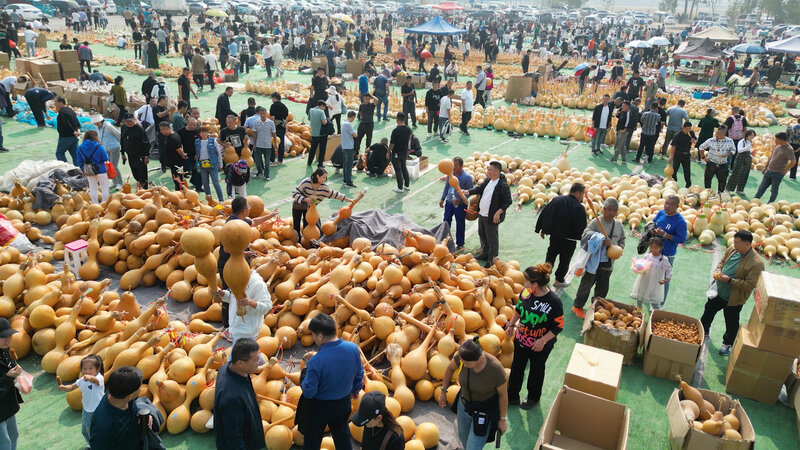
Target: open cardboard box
581, 421
777, 301
665, 358
683, 437
594, 371
754, 373
625, 342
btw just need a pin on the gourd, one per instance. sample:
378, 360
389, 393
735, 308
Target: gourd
690, 409
109, 354
310, 231
202, 352
732, 420
179, 418
428, 434
345, 212
690, 393
90, 270
132, 278
181, 370
402, 393
143, 319
415, 363
150, 364
235, 236
279, 437
127, 306
64, 334
199, 242
132, 356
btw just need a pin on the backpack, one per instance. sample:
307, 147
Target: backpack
736, 128
89, 168
161, 90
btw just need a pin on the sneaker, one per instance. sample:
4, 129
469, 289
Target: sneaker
725, 350
370, 174
267, 178
398, 190
528, 403
613, 161
559, 284
636, 160
256, 175
3, 150
350, 185
406, 188
579, 312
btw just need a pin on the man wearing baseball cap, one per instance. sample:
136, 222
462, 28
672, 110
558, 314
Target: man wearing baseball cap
10, 397
381, 430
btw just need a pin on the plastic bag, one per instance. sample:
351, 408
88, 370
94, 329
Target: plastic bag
712, 292
24, 382
578, 263
7, 231
640, 265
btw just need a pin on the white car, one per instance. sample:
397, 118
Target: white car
111, 7
27, 12
669, 20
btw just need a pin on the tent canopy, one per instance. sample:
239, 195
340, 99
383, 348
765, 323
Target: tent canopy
704, 49
436, 26
716, 34
448, 6
788, 45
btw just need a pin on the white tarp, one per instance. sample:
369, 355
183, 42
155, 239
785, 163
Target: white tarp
788, 45
29, 171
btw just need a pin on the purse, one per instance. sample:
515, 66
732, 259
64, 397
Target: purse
327, 129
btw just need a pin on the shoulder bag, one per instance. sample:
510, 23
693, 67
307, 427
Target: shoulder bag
89, 168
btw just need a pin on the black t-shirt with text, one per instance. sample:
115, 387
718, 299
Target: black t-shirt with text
235, 137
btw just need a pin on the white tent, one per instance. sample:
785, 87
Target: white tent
788, 45
716, 34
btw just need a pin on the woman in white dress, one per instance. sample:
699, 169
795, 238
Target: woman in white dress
655, 272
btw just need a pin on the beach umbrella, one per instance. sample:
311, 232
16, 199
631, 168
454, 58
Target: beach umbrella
216, 13
580, 68
343, 18
638, 44
745, 47
658, 41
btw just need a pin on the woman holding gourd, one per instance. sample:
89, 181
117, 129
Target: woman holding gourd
310, 190
538, 318
482, 402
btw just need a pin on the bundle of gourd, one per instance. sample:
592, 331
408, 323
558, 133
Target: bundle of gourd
704, 416
608, 315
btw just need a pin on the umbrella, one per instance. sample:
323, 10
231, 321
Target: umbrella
580, 68
216, 13
638, 44
658, 41
745, 47
343, 18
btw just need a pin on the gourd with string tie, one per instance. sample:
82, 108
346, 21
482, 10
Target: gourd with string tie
235, 237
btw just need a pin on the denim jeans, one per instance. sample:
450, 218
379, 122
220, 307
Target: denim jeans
666, 285
598, 139
86, 425
771, 179
385, 101
468, 439
67, 144
348, 154
262, 157
9, 434
213, 174
460, 212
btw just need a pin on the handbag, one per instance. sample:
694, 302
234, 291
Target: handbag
327, 129
111, 171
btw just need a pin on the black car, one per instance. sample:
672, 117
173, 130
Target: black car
64, 6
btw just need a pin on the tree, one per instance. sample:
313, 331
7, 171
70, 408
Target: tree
668, 5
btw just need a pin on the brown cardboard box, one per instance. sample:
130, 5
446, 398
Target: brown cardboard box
777, 301
355, 67
665, 358
603, 424
41, 41
683, 437
5, 62
330, 148
22, 65
625, 342
423, 163
594, 371
784, 341
20, 88
65, 55
792, 386
46, 70
70, 69
754, 373
518, 88
399, 79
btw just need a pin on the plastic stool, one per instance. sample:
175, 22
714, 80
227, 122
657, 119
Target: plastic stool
75, 254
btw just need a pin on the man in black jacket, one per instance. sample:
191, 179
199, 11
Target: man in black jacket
237, 420
432, 98
68, 131
495, 199
224, 106
148, 84
136, 147
564, 219
601, 121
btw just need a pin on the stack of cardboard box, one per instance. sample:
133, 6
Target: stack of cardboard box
765, 348
45, 69
68, 62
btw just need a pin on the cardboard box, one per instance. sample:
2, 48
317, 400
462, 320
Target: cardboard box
603, 424
625, 342
46, 70
423, 163
792, 386
20, 88
354, 67
777, 300
65, 55
22, 65
683, 437
333, 142
518, 88
41, 41
665, 358
594, 371
70, 69
784, 341
754, 373
5, 62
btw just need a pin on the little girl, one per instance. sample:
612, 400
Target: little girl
237, 177
92, 390
649, 286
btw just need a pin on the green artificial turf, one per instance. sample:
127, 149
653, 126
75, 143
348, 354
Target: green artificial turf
45, 421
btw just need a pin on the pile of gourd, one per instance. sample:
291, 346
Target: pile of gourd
776, 226
705, 417
295, 92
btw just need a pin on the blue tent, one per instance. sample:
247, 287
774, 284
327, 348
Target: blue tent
436, 26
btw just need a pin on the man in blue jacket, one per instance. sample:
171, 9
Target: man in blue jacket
237, 419
363, 85
453, 204
672, 229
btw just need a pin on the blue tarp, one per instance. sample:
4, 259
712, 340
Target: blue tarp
436, 26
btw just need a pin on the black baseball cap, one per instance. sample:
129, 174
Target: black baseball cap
372, 405
5, 328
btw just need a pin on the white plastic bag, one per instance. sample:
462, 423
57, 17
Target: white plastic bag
578, 263
712, 292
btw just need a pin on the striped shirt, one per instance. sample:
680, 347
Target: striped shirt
306, 190
718, 149
650, 121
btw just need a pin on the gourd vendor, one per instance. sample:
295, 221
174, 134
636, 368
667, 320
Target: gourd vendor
309, 191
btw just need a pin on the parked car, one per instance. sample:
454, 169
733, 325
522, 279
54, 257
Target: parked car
196, 7
27, 12
64, 6
669, 20
767, 23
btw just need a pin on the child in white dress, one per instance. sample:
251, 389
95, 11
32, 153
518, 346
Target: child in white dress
649, 286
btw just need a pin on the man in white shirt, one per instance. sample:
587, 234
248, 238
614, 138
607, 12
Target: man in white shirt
444, 115
262, 129
8, 83
277, 57
30, 41
256, 305
266, 53
212, 65
495, 200
467, 102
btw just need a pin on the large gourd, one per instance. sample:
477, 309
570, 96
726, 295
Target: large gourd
199, 242
235, 236
328, 228
90, 270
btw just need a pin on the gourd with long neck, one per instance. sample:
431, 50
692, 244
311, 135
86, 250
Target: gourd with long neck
178, 419
143, 319
311, 232
132, 356
132, 278
64, 334
109, 354
328, 228
402, 393
235, 236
